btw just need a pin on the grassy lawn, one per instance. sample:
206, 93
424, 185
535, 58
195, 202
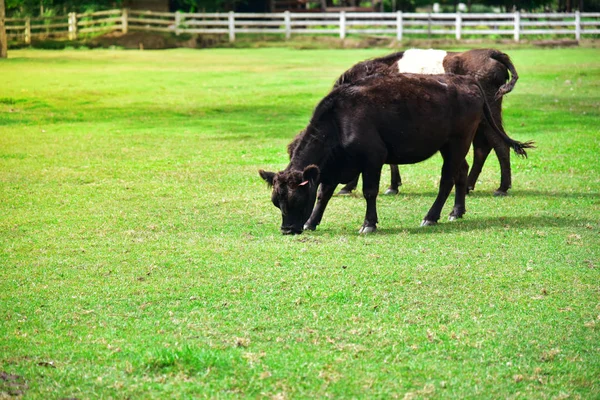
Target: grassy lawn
140, 255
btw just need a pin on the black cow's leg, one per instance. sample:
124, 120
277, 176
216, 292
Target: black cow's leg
503, 154
460, 191
451, 161
371, 177
481, 149
325, 193
350, 186
501, 148
395, 181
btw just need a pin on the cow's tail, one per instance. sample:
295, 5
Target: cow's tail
504, 59
518, 147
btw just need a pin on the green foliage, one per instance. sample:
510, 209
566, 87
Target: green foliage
205, 5
34, 8
140, 254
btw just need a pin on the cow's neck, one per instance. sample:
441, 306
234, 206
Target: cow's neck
312, 149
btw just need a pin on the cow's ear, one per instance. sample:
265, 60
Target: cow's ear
267, 176
311, 174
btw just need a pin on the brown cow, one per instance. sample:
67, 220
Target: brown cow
490, 67
381, 119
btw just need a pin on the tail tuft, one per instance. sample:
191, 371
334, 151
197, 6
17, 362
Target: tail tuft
519, 147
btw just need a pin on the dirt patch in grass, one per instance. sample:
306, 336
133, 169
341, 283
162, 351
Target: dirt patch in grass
150, 41
144, 40
12, 385
556, 43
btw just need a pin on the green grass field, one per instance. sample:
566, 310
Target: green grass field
140, 255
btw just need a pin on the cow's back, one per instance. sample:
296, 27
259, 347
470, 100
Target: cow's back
479, 64
412, 115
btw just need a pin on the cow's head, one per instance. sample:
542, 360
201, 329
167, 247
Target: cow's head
294, 193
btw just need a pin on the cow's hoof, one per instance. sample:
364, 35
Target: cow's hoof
426, 222
367, 229
454, 215
308, 227
390, 191
470, 188
500, 193
344, 192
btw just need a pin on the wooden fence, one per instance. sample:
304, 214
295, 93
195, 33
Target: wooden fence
400, 25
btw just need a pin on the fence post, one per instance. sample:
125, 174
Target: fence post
517, 26
458, 25
124, 20
72, 26
177, 23
231, 20
342, 24
28, 30
399, 25
577, 25
288, 25
429, 25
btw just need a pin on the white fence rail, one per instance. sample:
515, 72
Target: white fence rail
457, 25
70, 26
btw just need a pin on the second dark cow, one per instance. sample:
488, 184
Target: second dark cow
489, 67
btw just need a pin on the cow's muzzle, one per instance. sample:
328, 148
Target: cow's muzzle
291, 230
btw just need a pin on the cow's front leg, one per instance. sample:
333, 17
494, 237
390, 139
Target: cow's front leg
325, 192
370, 190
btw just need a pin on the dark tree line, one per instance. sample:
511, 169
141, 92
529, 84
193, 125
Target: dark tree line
15, 8
3, 40
36, 8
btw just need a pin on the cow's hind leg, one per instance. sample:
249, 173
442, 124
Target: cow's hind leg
501, 148
503, 153
350, 186
481, 149
323, 197
460, 192
395, 181
451, 163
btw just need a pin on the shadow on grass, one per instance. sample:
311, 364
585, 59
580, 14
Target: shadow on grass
563, 195
475, 224
471, 223
482, 194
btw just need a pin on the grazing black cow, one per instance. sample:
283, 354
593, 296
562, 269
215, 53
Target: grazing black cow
490, 67
358, 127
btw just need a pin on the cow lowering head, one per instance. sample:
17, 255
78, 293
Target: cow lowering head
294, 193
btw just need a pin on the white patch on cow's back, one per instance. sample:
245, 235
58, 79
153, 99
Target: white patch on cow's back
417, 61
